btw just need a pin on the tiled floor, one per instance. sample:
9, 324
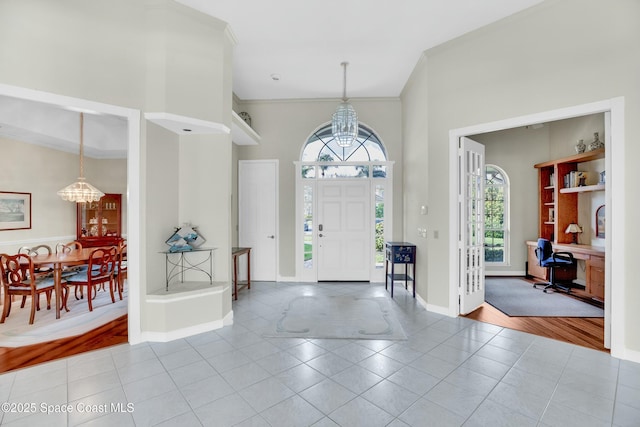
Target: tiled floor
450, 372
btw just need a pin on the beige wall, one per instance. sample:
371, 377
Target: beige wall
557, 54
284, 127
41, 171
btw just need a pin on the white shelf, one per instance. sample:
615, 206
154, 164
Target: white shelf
583, 189
183, 125
241, 132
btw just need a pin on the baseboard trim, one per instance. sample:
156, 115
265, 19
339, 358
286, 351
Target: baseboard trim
187, 332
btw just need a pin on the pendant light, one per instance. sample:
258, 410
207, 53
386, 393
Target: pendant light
344, 124
81, 191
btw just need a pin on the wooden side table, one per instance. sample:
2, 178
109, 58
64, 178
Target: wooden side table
235, 253
400, 253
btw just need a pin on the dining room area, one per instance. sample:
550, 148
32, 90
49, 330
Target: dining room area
62, 248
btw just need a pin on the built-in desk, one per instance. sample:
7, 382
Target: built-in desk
593, 256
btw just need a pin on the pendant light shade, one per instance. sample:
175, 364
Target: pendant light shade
81, 191
344, 124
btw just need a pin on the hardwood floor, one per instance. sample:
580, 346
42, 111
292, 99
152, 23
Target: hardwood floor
583, 331
112, 333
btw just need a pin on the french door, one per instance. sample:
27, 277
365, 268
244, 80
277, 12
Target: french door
471, 178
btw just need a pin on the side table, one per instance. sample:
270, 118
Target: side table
400, 253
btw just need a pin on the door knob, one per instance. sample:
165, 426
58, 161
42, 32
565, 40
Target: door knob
271, 237
320, 235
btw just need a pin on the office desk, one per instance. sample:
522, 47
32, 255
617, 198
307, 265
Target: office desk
593, 256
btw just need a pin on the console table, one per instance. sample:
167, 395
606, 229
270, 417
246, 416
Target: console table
400, 253
176, 263
235, 253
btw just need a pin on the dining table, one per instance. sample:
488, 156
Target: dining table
58, 261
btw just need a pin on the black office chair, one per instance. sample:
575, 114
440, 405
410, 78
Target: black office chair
552, 260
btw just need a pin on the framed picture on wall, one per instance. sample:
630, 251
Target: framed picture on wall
15, 210
600, 222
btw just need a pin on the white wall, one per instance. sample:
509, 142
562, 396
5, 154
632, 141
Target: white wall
284, 127
557, 54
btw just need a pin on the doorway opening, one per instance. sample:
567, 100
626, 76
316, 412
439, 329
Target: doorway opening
131, 117
614, 244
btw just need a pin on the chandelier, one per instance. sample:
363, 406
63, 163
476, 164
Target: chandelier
81, 191
344, 124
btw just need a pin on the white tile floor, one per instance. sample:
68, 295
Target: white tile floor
450, 372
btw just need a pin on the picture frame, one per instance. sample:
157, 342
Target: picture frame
15, 210
600, 222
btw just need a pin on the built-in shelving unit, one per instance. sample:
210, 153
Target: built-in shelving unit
558, 206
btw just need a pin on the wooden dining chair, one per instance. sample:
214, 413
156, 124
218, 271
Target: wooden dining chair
38, 250
101, 269
40, 271
18, 278
121, 268
68, 247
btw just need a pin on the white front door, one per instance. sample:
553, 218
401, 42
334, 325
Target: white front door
471, 177
257, 212
344, 230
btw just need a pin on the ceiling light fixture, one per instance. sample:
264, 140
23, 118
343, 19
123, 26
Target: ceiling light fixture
81, 191
344, 124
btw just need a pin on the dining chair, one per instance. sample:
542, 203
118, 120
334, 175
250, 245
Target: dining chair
121, 268
101, 268
18, 278
40, 271
38, 250
68, 247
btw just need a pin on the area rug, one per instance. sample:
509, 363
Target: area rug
16, 331
516, 297
348, 317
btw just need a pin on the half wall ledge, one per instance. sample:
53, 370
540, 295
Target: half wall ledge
182, 312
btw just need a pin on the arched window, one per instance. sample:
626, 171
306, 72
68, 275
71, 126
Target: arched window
322, 147
496, 217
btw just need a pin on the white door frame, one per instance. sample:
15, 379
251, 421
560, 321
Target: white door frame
615, 276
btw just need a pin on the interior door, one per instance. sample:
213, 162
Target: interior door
471, 178
344, 231
257, 216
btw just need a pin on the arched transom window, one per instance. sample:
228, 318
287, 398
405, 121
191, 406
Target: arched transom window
322, 147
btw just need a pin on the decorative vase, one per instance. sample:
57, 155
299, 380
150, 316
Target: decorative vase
580, 146
596, 143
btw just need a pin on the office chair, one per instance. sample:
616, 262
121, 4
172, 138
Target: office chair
552, 260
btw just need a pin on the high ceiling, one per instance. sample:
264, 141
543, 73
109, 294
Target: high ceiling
288, 49
304, 42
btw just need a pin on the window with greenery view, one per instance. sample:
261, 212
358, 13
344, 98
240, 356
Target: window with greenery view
496, 227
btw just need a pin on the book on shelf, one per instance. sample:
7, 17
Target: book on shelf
576, 179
